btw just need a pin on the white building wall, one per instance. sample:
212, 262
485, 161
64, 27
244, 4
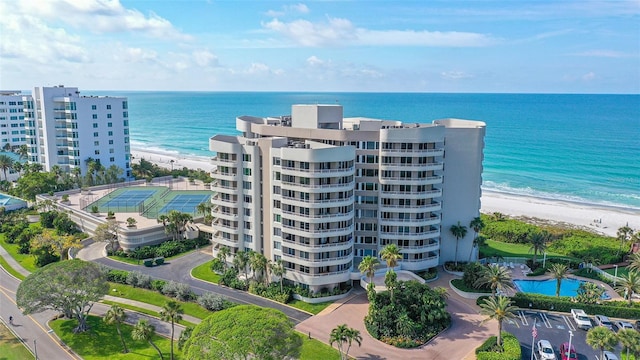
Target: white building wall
12, 127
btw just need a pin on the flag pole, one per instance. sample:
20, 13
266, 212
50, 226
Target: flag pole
533, 337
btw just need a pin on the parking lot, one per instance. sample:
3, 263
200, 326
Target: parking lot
550, 326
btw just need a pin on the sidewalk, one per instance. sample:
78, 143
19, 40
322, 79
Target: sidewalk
13, 263
144, 305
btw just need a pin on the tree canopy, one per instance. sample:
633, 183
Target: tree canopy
243, 332
70, 287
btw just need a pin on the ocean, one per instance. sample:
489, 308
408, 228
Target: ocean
580, 148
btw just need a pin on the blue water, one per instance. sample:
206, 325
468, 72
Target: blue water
583, 148
568, 287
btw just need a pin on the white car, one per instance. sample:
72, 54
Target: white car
604, 321
608, 355
623, 325
545, 350
582, 320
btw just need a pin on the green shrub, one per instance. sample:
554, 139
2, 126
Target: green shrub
460, 285
510, 348
538, 271
472, 272
159, 261
508, 230
481, 299
158, 285
148, 262
612, 309
117, 276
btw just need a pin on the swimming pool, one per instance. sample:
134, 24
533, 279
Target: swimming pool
569, 287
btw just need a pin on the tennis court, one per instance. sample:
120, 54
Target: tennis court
185, 202
127, 199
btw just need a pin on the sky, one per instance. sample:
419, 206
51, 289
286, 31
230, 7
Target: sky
479, 46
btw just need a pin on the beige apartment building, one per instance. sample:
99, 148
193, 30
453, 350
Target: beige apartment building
320, 191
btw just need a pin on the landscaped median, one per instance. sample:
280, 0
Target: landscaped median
510, 348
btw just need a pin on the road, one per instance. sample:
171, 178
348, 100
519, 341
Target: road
179, 270
552, 326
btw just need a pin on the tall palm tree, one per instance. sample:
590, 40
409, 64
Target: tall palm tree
497, 277
477, 225
498, 308
368, 267
558, 272
624, 234
629, 284
538, 243
258, 264
391, 254
459, 232
240, 261
116, 316
278, 269
343, 335
223, 253
171, 312
602, 338
634, 262
144, 331
6, 163
23, 152
629, 339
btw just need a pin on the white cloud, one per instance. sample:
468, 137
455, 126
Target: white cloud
589, 76
341, 32
300, 8
135, 55
205, 58
602, 53
287, 9
455, 75
315, 61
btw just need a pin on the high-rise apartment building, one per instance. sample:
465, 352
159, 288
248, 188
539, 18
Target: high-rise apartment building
319, 191
12, 130
66, 129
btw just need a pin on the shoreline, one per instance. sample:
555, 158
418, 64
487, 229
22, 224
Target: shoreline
603, 219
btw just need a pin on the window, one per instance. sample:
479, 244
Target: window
246, 171
94, 116
125, 105
96, 143
125, 123
110, 142
126, 131
111, 159
277, 245
95, 125
247, 225
248, 238
109, 124
247, 212
246, 185
94, 107
110, 133
108, 116
108, 107
97, 152
95, 134
246, 157
110, 151
248, 199
125, 114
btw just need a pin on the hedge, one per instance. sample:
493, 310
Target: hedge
148, 262
510, 348
159, 261
562, 304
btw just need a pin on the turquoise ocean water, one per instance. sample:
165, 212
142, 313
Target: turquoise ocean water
583, 148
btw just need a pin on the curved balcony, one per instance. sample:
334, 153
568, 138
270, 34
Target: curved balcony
318, 262
223, 176
419, 265
329, 278
317, 218
318, 188
217, 226
227, 242
434, 246
432, 220
313, 248
318, 233
224, 162
225, 189
316, 173
410, 236
224, 215
436, 206
314, 204
223, 202
417, 152
427, 194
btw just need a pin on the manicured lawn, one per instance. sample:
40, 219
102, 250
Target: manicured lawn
460, 285
26, 260
143, 311
155, 298
131, 261
204, 272
622, 271
102, 342
497, 248
313, 349
11, 348
312, 308
9, 269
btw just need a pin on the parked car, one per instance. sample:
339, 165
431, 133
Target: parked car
602, 320
566, 353
545, 350
608, 355
623, 325
582, 320
638, 325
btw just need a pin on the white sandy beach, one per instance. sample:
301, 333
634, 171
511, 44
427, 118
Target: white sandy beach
602, 219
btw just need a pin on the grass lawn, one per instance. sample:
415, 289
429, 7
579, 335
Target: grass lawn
10, 347
312, 308
9, 269
204, 272
143, 311
313, 349
26, 260
155, 298
102, 341
131, 261
497, 248
622, 271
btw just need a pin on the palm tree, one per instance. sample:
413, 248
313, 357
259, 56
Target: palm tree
144, 331
624, 234
368, 267
6, 163
171, 312
344, 335
497, 277
558, 272
629, 339
391, 254
223, 253
258, 264
634, 262
602, 338
240, 261
629, 284
278, 269
538, 242
23, 152
498, 308
115, 315
477, 225
459, 232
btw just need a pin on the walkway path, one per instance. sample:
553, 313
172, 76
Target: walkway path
458, 342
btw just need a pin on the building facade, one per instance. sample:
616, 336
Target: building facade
65, 129
12, 126
320, 192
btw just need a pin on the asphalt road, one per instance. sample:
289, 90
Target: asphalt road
554, 327
179, 270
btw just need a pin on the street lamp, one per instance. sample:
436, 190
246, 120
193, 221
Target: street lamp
615, 276
544, 259
570, 337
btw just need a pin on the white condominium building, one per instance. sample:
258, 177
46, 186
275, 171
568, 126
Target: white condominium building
320, 191
12, 131
65, 129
